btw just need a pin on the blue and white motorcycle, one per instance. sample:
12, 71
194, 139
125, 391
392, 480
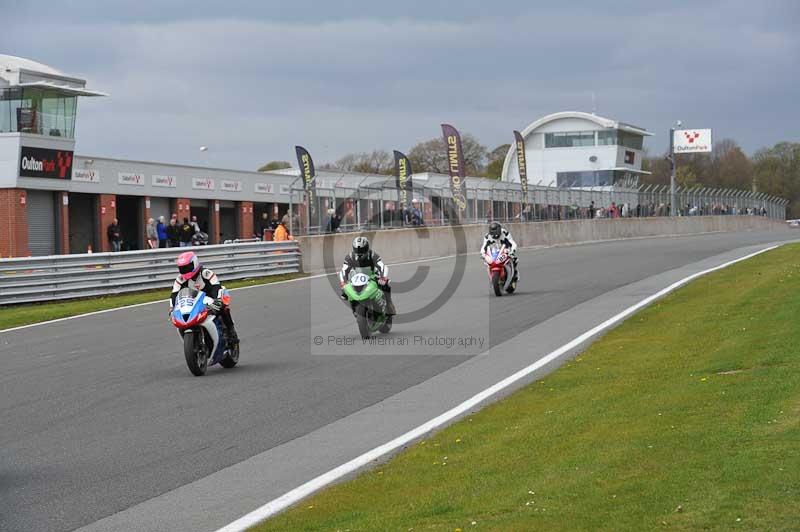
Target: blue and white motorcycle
204, 342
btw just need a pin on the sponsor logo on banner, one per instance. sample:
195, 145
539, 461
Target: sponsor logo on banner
230, 186
284, 189
126, 178
85, 176
168, 181
264, 188
202, 183
42, 162
308, 174
402, 172
692, 140
455, 163
522, 166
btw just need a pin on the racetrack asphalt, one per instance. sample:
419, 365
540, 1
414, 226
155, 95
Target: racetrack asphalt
100, 414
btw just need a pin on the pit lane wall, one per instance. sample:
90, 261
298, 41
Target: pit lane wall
325, 252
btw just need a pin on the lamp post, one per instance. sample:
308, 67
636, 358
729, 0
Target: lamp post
672, 162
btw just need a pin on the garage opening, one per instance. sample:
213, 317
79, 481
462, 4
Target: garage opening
130, 212
160, 207
259, 222
82, 223
200, 208
227, 221
42, 226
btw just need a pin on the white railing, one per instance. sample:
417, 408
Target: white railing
36, 279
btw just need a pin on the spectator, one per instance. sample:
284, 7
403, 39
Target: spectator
161, 231
263, 226
591, 209
194, 224
152, 234
416, 214
173, 233
334, 222
114, 235
281, 234
275, 222
186, 233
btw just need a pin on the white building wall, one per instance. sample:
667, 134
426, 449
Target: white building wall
544, 164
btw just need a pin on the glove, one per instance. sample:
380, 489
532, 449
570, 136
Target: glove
382, 281
215, 305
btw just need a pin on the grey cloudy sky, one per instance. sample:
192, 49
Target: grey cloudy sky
251, 81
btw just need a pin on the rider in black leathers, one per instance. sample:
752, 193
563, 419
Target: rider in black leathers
363, 257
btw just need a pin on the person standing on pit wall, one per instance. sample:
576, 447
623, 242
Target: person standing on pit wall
114, 235
281, 234
173, 233
152, 234
263, 226
186, 232
161, 231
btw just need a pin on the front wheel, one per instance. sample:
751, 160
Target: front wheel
498, 291
195, 354
363, 322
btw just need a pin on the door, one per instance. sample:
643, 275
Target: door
41, 214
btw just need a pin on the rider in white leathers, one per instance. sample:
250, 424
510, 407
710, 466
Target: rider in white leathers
498, 235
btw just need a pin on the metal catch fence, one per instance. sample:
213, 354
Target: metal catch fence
374, 205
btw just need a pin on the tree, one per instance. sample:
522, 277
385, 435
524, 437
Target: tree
431, 156
685, 176
375, 162
776, 171
496, 158
274, 165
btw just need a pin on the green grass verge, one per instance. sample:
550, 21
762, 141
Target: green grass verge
686, 417
16, 315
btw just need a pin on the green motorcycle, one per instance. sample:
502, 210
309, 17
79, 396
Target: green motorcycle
368, 302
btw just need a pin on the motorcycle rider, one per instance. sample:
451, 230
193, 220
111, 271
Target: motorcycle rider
363, 257
498, 235
191, 272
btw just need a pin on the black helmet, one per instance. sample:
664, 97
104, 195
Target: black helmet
495, 230
360, 247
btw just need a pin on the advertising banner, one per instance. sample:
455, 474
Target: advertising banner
692, 141
85, 176
130, 178
523, 167
43, 162
167, 181
264, 188
455, 165
230, 186
308, 173
202, 183
402, 173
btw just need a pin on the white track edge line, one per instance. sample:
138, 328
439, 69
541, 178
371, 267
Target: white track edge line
291, 497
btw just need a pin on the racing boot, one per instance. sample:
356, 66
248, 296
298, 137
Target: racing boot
390, 310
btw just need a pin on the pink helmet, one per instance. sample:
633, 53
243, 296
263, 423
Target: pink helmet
188, 265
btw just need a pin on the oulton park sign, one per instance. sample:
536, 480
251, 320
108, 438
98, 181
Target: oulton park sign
692, 140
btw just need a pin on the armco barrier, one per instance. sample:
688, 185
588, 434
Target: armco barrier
28, 280
409, 244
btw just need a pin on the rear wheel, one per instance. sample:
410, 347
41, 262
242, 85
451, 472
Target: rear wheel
363, 323
498, 291
195, 354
